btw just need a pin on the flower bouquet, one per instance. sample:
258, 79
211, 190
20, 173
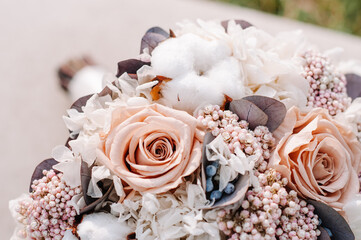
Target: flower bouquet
217, 130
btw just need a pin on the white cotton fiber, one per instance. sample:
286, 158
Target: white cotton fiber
102, 226
202, 70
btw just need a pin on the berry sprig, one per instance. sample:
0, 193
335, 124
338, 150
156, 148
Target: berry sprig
237, 134
49, 214
270, 212
327, 86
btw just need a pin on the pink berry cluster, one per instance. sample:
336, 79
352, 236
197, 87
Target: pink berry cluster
237, 134
48, 215
270, 212
327, 86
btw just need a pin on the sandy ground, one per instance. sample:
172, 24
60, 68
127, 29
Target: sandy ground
36, 36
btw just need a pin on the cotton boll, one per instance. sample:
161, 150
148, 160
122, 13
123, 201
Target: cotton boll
202, 72
102, 226
87, 81
189, 91
226, 75
186, 53
173, 56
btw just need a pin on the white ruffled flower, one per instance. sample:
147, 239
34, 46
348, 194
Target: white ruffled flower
352, 117
169, 216
353, 213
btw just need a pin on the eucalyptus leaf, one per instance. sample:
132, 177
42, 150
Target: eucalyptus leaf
158, 30
332, 220
151, 40
353, 85
247, 110
275, 110
130, 66
109, 186
324, 234
38, 172
85, 176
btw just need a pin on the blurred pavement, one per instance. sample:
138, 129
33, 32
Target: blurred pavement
37, 36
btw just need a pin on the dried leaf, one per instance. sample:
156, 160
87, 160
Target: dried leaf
130, 66
171, 34
155, 92
85, 175
109, 185
78, 104
38, 172
206, 140
332, 220
247, 110
353, 85
244, 24
227, 100
158, 30
105, 91
275, 110
131, 236
324, 234
151, 40
241, 185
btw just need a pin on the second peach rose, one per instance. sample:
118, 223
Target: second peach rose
319, 156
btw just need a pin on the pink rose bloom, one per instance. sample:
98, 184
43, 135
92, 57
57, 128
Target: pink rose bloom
319, 156
151, 148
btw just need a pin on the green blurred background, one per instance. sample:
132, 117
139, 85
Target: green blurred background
342, 15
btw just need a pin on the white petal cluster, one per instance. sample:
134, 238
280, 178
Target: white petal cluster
230, 164
169, 216
353, 213
206, 62
352, 117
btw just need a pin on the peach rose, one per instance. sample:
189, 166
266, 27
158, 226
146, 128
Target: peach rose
319, 156
151, 148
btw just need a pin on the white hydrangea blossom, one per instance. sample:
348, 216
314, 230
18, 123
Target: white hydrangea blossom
169, 216
231, 164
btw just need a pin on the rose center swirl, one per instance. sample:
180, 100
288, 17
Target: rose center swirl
161, 148
323, 168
